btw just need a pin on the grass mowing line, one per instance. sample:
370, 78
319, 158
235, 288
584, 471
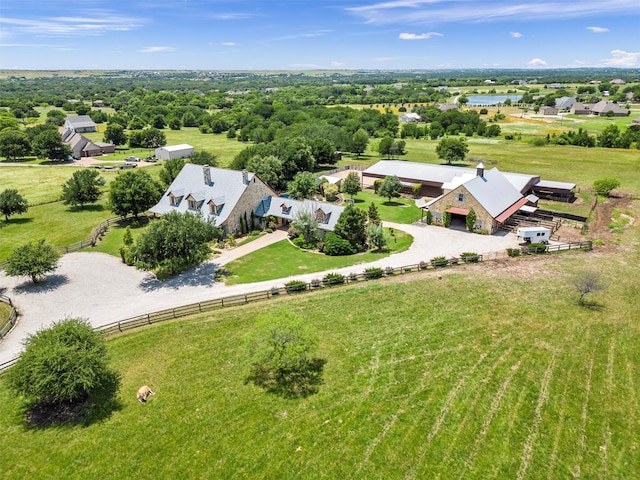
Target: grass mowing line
372, 446
607, 432
495, 406
443, 413
527, 452
559, 426
585, 407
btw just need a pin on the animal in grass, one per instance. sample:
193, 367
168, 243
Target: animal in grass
143, 393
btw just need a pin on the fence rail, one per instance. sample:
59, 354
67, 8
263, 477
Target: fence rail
10, 321
316, 284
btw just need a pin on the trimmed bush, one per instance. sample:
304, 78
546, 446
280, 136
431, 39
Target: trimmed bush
333, 279
513, 252
439, 261
373, 272
336, 246
295, 286
470, 257
536, 248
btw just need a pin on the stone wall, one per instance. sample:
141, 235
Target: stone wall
254, 193
483, 219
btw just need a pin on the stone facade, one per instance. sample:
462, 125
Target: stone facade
256, 190
461, 198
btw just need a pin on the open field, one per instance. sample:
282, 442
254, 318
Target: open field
424, 379
283, 259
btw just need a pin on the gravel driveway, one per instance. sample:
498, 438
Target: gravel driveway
103, 289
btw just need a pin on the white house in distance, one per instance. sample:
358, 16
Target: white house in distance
409, 118
80, 123
170, 152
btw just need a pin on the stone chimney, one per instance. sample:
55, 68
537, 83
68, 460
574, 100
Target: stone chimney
207, 174
480, 170
245, 177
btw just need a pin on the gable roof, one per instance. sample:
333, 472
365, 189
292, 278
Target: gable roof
225, 190
80, 121
289, 209
493, 191
176, 148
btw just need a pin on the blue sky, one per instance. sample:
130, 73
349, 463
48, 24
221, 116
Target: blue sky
318, 34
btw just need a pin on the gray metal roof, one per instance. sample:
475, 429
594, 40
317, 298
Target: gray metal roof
494, 191
439, 173
225, 184
558, 185
289, 209
80, 121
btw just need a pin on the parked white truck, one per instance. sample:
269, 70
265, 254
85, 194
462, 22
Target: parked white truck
534, 234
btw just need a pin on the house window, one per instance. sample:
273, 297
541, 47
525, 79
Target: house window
173, 200
214, 209
321, 217
460, 197
193, 205
286, 209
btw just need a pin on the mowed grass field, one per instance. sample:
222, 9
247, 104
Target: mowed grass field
487, 373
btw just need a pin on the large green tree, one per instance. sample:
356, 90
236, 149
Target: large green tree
65, 363
452, 149
48, 145
115, 134
390, 187
174, 243
304, 185
269, 169
133, 192
281, 354
11, 202
359, 142
14, 144
170, 170
351, 225
83, 187
33, 259
202, 157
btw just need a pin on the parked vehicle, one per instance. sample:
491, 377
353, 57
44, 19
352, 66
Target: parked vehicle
132, 158
534, 234
129, 165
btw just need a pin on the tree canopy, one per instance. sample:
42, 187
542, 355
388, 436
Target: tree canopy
351, 184
170, 170
390, 187
133, 192
83, 187
33, 259
351, 225
304, 185
452, 149
11, 202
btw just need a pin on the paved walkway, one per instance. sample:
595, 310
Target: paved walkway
104, 290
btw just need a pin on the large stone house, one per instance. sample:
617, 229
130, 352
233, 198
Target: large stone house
221, 196
285, 209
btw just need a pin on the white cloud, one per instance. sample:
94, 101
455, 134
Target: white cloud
319, 33
336, 64
229, 44
598, 29
93, 23
419, 36
515, 34
443, 11
537, 62
156, 49
233, 16
622, 59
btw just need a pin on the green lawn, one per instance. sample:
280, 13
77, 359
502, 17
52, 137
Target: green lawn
424, 378
399, 210
282, 259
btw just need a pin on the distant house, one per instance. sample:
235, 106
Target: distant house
635, 121
565, 103
489, 194
554, 85
174, 151
81, 146
221, 196
548, 110
443, 107
601, 108
286, 209
80, 123
410, 118
618, 81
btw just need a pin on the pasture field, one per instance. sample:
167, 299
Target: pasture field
487, 373
282, 259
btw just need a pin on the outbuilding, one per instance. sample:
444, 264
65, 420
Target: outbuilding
170, 152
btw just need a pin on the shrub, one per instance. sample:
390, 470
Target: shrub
335, 245
300, 243
254, 233
422, 265
439, 261
536, 248
470, 257
429, 217
446, 219
295, 286
268, 230
373, 272
513, 252
604, 186
376, 185
333, 279
538, 141
484, 111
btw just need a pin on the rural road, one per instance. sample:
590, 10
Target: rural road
103, 289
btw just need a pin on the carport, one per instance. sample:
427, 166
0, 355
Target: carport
458, 217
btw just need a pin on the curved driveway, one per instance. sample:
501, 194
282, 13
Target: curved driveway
104, 290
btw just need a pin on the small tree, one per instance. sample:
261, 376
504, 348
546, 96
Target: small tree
133, 192
452, 149
65, 363
351, 225
604, 186
587, 282
170, 170
359, 142
11, 202
202, 157
373, 215
390, 187
33, 259
305, 224
376, 236
351, 184
83, 187
114, 133
281, 353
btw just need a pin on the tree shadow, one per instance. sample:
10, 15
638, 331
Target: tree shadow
290, 383
91, 207
51, 283
15, 221
97, 407
358, 200
394, 204
455, 164
198, 276
591, 305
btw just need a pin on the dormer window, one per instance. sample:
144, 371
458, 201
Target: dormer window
286, 209
173, 200
193, 205
214, 209
321, 216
